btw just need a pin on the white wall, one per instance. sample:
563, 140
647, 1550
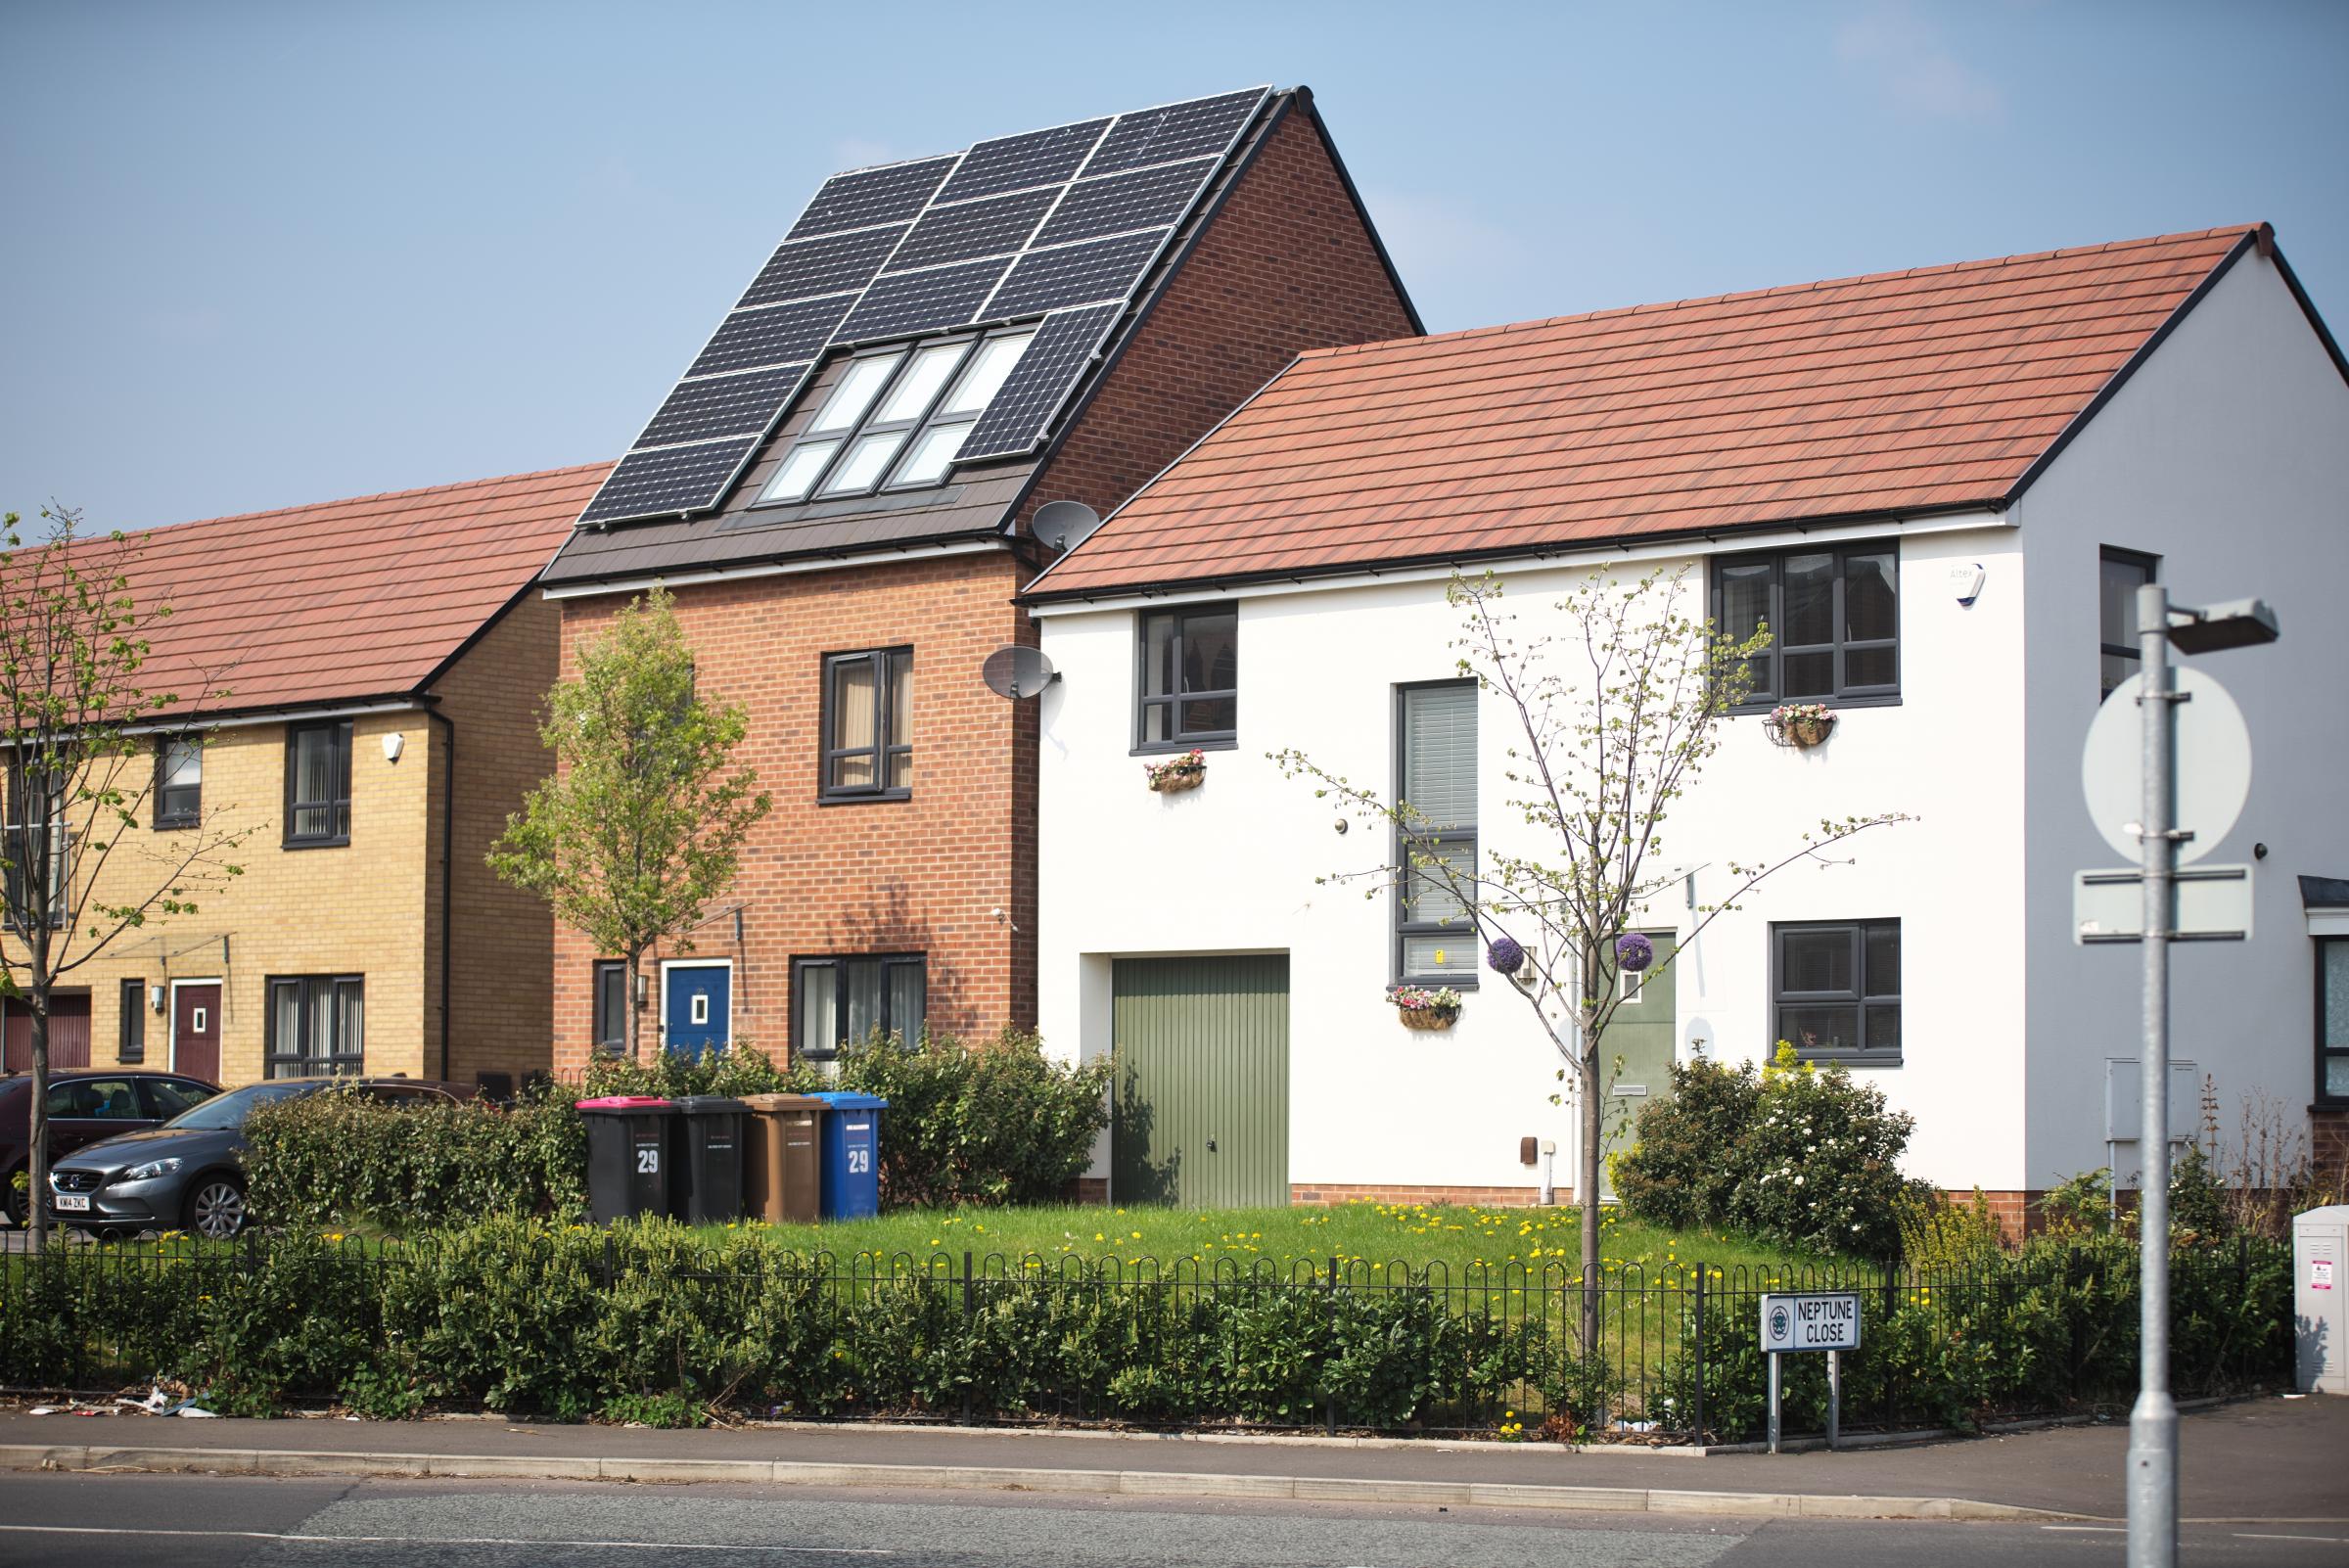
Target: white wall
2228, 455
1232, 867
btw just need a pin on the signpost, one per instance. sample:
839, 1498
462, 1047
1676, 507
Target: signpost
2191, 774
1811, 1321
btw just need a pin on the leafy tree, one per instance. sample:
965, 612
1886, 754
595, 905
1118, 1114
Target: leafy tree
1616, 698
643, 822
78, 733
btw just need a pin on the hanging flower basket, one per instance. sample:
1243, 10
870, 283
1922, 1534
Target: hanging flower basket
1426, 1010
1801, 725
1176, 774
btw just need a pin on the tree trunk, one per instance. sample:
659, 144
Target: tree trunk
1588, 1179
36, 1196
633, 1007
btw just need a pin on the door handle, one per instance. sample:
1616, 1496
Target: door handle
1211, 1145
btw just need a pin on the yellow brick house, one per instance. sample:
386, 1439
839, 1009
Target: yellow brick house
379, 665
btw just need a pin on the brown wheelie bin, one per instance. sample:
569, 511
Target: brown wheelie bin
782, 1176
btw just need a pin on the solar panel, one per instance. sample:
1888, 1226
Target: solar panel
922, 301
1178, 131
1076, 275
1056, 359
934, 245
891, 194
669, 479
722, 405
834, 264
1014, 163
996, 226
772, 334
1149, 197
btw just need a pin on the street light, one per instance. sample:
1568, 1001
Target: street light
2154, 1423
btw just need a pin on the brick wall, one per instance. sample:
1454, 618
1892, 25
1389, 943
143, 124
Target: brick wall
2329, 1143
501, 976
1285, 267
920, 875
355, 908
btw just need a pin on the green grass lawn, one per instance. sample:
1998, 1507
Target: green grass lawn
1378, 1234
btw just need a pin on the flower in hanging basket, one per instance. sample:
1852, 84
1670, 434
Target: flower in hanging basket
1506, 957
1183, 772
1634, 951
1423, 1008
1802, 725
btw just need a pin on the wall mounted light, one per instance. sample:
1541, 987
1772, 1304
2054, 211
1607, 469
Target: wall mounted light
155, 997
393, 744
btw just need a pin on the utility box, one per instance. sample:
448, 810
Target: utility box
2319, 1286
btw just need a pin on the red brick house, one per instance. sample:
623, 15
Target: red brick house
840, 491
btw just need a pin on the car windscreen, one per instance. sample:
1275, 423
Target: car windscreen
228, 1111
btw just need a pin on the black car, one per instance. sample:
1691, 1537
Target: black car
188, 1174
85, 1104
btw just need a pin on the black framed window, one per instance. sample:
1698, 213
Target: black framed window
178, 781
1835, 990
835, 1000
1435, 777
38, 847
1187, 678
318, 784
132, 1041
2119, 575
317, 1024
867, 726
896, 418
1834, 617
611, 1006
2332, 1020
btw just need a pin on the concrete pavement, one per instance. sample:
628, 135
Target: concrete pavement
2260, 1461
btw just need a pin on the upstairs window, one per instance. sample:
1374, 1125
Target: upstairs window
38, 848
2119, 575
1434, 941
1835, 987
1833, 618
178, 781
896, 419
868, 725
1187, 687
318, 784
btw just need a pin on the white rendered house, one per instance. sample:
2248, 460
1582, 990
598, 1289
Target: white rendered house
1936, 486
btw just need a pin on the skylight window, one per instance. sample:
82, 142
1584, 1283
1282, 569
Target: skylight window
895, 420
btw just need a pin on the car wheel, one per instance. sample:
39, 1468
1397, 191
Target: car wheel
16, 1206
216, 1208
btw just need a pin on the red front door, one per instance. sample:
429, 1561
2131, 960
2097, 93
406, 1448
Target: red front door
196, 1030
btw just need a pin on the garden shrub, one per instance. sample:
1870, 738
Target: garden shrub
342, 1158
1794, 1153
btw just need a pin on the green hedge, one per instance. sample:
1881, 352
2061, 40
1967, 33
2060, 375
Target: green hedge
653, 1322
337, 1158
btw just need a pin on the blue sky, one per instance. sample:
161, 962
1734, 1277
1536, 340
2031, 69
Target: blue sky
264, 254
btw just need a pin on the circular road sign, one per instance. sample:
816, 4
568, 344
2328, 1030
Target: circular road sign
2212, 767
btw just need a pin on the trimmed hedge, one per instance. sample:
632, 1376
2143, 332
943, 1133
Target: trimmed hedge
339, 1158
651, 1322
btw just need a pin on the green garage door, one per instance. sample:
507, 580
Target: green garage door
1202, 1116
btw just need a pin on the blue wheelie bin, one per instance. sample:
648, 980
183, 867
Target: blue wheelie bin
852, 1165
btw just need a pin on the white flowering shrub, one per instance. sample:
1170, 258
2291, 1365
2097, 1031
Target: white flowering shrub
1819, 1166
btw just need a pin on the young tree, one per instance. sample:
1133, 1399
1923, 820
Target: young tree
1614, 714
80, 734
642, 823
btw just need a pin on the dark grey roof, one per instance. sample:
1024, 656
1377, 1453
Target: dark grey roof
2325, 892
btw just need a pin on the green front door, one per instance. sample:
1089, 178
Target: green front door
1202, 1109
1636, 1054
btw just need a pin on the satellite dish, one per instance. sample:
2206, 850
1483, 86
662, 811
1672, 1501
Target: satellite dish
1063, 525
1015, 672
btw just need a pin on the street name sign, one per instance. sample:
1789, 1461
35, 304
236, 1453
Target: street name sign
1815, 1320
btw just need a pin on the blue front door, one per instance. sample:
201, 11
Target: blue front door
698, 1010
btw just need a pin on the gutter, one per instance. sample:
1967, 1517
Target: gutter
449, 850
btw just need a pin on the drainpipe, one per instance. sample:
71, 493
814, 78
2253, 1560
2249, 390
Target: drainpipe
448, 850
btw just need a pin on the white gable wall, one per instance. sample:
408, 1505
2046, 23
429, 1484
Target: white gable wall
2226, 454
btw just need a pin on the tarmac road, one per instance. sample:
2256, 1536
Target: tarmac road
197, 1521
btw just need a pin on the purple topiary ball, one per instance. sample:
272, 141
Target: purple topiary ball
1634, 952
1505, 956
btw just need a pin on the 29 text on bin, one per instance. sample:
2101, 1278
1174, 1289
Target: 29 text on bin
1827, 1321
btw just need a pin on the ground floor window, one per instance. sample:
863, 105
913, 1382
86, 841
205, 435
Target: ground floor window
131, 1046
2332, 1020
317, 1024
611, 1006
835, 1000
1835, 990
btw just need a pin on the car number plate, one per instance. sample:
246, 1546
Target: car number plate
72, 1202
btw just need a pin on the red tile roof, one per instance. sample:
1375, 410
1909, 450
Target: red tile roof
345, 599
1902, 392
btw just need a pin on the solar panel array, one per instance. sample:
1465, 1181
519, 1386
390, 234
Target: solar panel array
1061, 223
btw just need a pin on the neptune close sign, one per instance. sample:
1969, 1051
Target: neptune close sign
1817, 1320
